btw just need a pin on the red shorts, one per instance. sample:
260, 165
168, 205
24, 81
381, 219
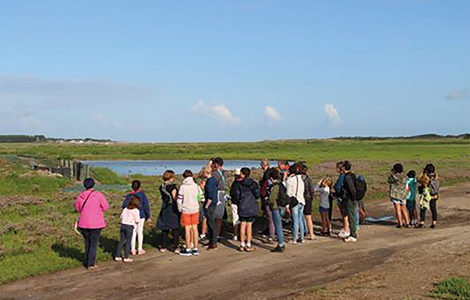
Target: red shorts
190, 219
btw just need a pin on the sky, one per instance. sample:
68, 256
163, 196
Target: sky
159, 71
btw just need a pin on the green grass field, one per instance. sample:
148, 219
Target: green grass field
36, 216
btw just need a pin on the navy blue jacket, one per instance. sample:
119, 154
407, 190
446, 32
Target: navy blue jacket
144, 205
246, 193
211, 191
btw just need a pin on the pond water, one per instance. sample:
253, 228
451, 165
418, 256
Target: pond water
157, 167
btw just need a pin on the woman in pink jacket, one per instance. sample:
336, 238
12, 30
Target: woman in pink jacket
91, 206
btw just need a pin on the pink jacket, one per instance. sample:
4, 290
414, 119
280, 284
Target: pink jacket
92, 215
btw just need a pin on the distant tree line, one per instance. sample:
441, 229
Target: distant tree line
42, 139
22, 138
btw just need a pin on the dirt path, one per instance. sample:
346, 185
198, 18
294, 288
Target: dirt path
386, 263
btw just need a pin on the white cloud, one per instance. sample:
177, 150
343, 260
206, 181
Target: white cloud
272, 114
223, 113
457, 95
332, 114
218, 112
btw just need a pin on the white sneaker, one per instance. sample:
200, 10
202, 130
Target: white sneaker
118, 259
350, 239
235, 238
343, 234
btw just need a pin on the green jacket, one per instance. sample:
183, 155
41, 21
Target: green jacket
274, 195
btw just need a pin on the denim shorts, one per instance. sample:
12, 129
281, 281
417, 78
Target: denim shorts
323, 210
398, 201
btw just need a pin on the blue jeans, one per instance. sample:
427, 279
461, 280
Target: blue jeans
357, 217
297, 220
277, 219
125, 240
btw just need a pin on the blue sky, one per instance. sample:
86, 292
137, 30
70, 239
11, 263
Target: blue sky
234, 70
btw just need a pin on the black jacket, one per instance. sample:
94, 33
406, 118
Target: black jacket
349, 186
245, 193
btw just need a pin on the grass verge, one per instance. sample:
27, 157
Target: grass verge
454, 288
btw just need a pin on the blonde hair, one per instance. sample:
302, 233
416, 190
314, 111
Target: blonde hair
207, 170
265, 163
424, 179
327, 181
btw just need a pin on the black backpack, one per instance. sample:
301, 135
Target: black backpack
361, 187
282, 199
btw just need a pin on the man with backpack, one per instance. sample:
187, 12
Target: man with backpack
277, 201
245, 194
350, 192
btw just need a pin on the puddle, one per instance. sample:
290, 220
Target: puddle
381, 219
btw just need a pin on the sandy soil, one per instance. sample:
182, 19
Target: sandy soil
386, 263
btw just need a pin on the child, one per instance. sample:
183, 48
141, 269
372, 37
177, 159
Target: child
411, 183
324, 187
130, 217
188, 205
169, 218
429, 194
202, 213
138, 234
398, 194
245, 195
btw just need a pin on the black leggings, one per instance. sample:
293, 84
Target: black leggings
433, 206
164, 237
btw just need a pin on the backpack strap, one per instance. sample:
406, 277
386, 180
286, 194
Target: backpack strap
86, 200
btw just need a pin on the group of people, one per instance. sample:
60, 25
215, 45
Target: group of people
285, 194
405, 190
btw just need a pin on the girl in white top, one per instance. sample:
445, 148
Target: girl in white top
295, 188
130, 217
324, 188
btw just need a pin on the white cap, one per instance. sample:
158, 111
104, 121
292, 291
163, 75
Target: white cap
238, 172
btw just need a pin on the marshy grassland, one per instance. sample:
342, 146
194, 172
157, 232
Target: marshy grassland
36, 215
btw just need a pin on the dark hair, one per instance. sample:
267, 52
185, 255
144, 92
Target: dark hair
293, 169
273, 173
136, 185
283, 162
303, 169
89, 183
169, 174
187, 174
411, 174
134, 202
397, 168
340, 164
347, 165
429, 169
246, 172
218, 161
